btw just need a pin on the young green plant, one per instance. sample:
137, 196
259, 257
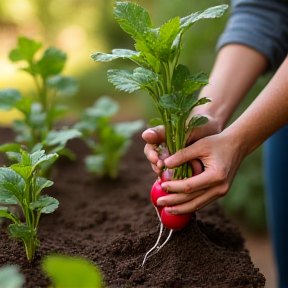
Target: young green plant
172, 87
107, 141
20, 185
40, 109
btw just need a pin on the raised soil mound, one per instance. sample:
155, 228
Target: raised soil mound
114, 224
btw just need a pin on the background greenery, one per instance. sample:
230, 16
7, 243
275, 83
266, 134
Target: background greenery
81, 28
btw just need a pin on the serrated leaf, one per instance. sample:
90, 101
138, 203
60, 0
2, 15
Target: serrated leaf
155, 122
116, 54
45, 204
10, 147
212, 12
51, 63
167, 35
140, 78
64, 85
72, 272
133, 19
11, 182
8, 98
25, 50
61, 137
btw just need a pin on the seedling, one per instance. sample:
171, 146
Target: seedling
39, 108
107, 141
21, 185
171, 85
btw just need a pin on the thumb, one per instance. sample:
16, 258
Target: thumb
184, 155
155, 135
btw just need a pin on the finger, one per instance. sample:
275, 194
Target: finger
195, 204
156, 169
202, 181
151, 154
184, 155
155, 135
197, 167
177, 198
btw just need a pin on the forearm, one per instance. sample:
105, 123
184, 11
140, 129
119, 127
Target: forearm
267, 114
236, 69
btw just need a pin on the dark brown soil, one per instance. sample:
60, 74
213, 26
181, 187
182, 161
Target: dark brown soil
113, 224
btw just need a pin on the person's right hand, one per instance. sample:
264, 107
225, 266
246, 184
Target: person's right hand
156, 135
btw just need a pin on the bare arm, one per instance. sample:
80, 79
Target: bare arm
235, 71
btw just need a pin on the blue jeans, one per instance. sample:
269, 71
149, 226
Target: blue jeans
276, 184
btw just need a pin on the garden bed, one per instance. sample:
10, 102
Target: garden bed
114, 224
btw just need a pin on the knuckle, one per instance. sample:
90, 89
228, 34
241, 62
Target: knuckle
224, 189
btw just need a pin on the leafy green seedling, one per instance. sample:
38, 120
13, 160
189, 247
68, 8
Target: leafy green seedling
72, 272
171, 85
39, 108
21, 185
108, 141
10, 277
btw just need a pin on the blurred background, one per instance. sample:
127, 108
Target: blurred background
81, 28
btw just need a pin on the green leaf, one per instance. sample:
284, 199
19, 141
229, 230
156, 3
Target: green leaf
133, 19
24, 105
10, 277
141, 78
11, 183
42, 183
61, 137
21, 231
212, 12
95, 164
45, 204
155, 122
195, 121
103, 107
65, 86
127, 129
10, 147
14, 156
66, 272
51, 63
4, 212
186, 83
25, 50
6, 197
8, 98
167, 35
116, 54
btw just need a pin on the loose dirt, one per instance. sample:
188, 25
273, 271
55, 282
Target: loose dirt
114, 224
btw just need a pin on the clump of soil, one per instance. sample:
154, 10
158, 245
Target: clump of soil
114, 224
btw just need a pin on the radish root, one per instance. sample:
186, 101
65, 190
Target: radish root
156, 246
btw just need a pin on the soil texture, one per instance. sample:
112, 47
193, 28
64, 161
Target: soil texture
114, 224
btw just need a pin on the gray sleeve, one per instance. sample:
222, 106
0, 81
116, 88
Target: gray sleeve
261, 25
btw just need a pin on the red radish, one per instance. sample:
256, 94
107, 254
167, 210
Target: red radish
175, 222
157, 192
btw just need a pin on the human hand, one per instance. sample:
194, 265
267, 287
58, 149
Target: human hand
221, 156
156, 135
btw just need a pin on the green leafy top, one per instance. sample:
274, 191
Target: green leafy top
171, 86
